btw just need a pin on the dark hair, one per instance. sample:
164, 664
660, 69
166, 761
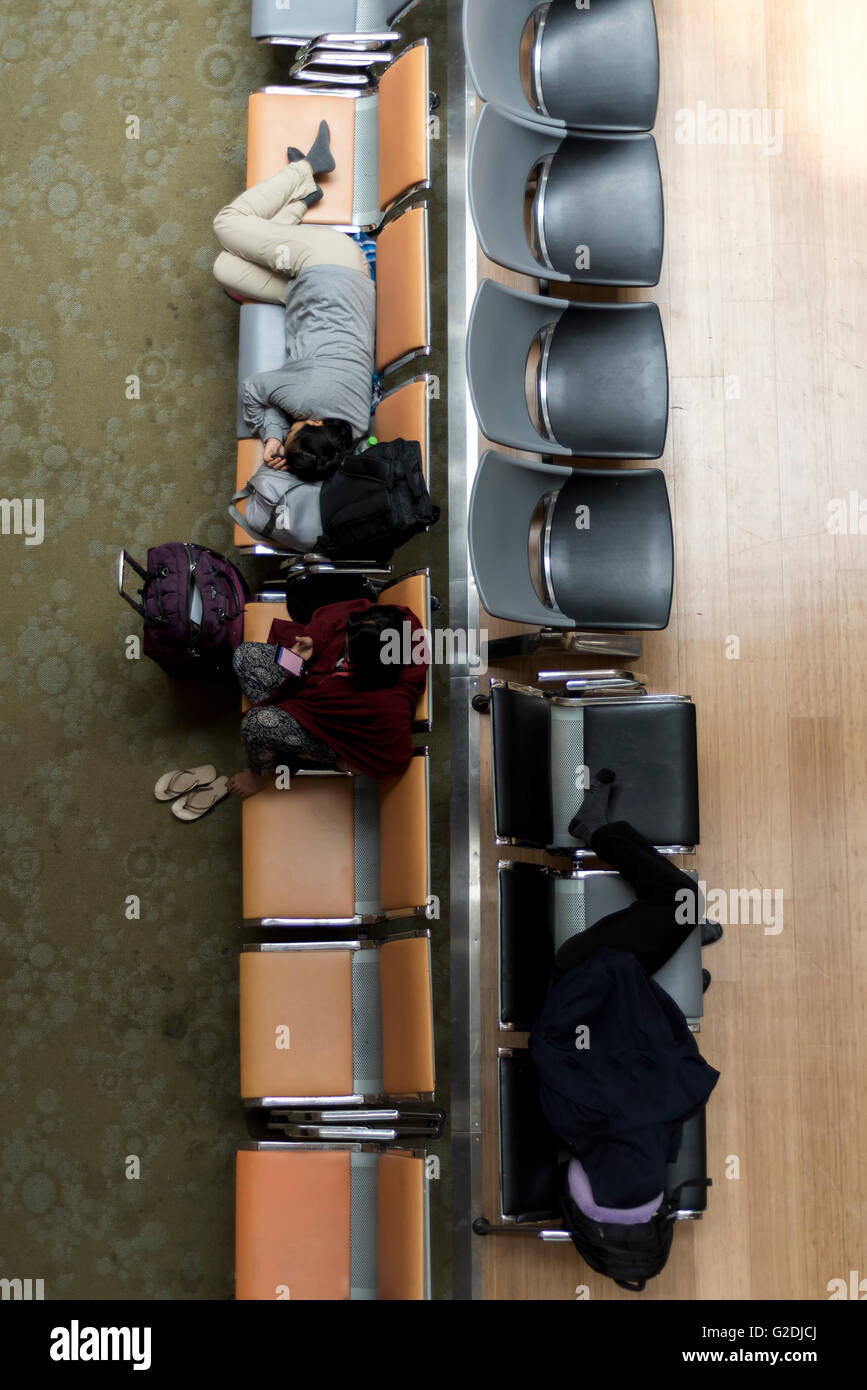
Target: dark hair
365, 632
316, 450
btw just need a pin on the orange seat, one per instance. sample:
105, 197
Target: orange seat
250, 455
301, 1005
296, 1022
299, 852
295, 1228
284, 116
402, 281
402, 1221
379, 141
404, 413
407, 1017
293, 1225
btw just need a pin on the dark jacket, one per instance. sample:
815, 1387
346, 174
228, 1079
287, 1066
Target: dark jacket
620, 1103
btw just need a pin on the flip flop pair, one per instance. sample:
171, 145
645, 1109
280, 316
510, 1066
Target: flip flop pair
194, 791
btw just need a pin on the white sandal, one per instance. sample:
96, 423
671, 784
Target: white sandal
174, 784
199, 802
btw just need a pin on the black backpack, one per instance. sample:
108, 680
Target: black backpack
375, 502
630, 1255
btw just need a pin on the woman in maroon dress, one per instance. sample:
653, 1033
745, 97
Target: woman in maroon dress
352, 708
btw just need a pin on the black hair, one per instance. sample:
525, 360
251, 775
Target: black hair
365, 632
316, 450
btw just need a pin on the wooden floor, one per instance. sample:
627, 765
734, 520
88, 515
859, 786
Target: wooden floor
763, 304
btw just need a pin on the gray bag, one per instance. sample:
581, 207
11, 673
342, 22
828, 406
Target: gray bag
282, 511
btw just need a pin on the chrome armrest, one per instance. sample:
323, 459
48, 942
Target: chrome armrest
596, 682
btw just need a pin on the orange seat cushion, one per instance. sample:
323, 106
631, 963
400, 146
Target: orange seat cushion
401, 1259
403, 803
277, 119
404, 415
292, 1225
250, 455
404, 147
296, 1024
299, 850
401, 289
407, 1017
412, 593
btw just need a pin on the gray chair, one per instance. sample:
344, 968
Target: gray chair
540, 909
597, 213
613, 572
295, 23
601, 382
592, 69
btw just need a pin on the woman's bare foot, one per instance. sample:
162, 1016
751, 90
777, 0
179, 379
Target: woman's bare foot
248, 783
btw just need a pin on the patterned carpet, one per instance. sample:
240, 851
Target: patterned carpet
120, 1032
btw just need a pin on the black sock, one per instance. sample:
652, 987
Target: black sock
594, 811
295, 155
313, 197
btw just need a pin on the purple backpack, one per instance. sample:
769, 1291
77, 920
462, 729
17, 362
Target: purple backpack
192, 604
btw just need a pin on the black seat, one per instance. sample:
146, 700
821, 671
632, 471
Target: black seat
541, 741
604, 385
613, 45
597, 211
528, 1149
530, 1154
605, 193
617, 571
540, 909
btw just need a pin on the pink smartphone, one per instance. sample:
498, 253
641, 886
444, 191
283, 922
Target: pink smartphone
291, 662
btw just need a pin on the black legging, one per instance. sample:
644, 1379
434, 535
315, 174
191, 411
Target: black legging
649, 927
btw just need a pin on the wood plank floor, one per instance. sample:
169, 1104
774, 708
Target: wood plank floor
763, 303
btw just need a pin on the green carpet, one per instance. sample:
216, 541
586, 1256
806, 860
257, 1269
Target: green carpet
120, 1033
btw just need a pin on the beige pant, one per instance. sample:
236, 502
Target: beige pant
264, 243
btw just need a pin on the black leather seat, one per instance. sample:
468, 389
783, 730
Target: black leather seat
604, 386
530, 1154
617, 572
650, 743
540, 909
598, 66
604, 193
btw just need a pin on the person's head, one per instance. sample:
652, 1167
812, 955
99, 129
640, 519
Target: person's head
314, 448
366, 641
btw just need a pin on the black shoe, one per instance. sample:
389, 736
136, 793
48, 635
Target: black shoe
706, 978
711, 932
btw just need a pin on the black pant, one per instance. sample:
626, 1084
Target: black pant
649, 927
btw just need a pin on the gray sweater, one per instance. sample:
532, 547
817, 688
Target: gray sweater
330, 335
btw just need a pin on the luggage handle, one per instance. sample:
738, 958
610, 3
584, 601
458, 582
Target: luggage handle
123, 560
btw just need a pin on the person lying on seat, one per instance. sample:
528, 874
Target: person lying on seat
323, 278
351, 707
619, 1070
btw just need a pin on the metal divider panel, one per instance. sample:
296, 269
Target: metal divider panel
567, 765
367, 847
365, 198
366, 1023
570, 909
364, 1173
